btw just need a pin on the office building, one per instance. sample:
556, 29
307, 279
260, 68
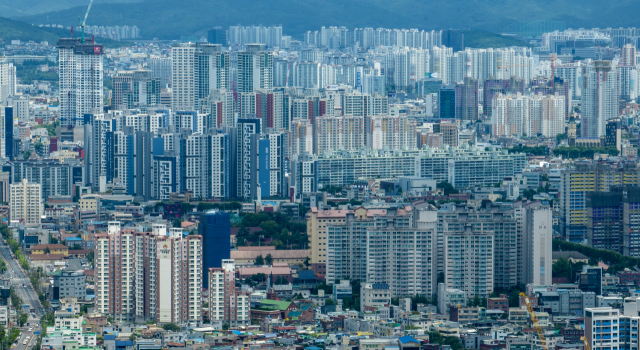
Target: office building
69, 284
161, 70
81, 84
613, 134
447, 102
467, 99
217, 35
8, 124
227, 303
25, 204
214, 228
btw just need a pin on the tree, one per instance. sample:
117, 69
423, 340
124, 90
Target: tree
132, 337
281, 280
268, 259
47, 250
329, 301
26, 154
177, 223
23, 319
172, 327
76, 246
225, 327
447, 188
259, 261
110, 319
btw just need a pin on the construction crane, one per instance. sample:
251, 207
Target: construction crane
585, 343
553, 73
534, 319
84, 22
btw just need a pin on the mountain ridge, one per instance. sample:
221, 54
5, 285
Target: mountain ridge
169, 19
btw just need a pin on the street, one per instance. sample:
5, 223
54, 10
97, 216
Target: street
22, 285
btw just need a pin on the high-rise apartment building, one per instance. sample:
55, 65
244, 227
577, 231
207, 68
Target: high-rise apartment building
81, 83
7, 80
25, 202
391, 132
167, 284
161, 70
227, 303
338, 133
468, 261
184, 84
255, 69
534, 243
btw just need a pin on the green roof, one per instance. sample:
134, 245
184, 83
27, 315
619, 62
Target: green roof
269, 304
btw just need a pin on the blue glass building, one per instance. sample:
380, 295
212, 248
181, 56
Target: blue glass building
215, 229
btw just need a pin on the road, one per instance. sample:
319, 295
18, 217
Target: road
22, 285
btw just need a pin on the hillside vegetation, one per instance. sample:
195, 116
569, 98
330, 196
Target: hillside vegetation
12, 30
168, 19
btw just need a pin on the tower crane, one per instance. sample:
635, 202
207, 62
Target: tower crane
585, 343
534, 319
84, 22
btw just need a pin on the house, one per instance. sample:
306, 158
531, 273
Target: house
271, 308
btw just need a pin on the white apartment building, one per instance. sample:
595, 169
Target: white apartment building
81, 83
410, 65
362, 105
7, 80
519, 115
392, 132
468, 262
226, 303
183, 77
25, 204
600, 97
374, 295
338, 133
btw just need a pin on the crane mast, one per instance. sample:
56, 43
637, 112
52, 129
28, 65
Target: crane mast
534, 319
84, 22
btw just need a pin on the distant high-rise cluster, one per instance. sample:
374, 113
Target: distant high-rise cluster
114, 32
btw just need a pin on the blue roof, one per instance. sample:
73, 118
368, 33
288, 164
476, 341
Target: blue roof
74, 239
109, 337
236, 332
408, 339
312, 348
306, 275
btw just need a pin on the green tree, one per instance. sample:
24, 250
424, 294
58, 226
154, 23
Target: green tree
447, 188
225, 327
177, 223
329, 301
268, 259
259, 261
172, 327
26, 154
23, 319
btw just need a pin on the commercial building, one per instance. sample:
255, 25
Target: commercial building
25, 204
450, 297
600, 96
215, 230
374, 295
69, 284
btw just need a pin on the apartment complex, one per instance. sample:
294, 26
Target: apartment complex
167, 284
